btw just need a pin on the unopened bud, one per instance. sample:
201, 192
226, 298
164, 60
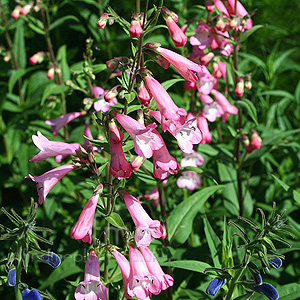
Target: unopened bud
209, 6
111, 94
7, 57
220, 25
37, 58
137, 162
25, 9
102, 21
216, 70
144, 94
239, 89
50, 73
16, 12
190, 86
255, 140
205, 59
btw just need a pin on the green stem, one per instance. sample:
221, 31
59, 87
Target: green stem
18, 293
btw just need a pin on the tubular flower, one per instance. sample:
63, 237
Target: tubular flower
268, 290
203, 36
26, 8
212, 111
206, 82
146, 228
192, 160
91, 288
11, 277
46, 181
255, 141
101, 104
51, 148
146, 139
135, 29
189, 180
276, 262
165, 104
31, 295
143, 94
137, 162
16, 12
119, 166
51, 259
61, 121
155, 269
215, 285
203, 126
240, 11
82, 230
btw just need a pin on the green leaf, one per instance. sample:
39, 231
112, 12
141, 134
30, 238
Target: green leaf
62, 20
249, 107
213, 241
63, 63
130, 97
99, 68
53, 89
280, 60
249, 32
19, 44
36, 29
195, 202
190, 265
167, 84
116, 220
279, 93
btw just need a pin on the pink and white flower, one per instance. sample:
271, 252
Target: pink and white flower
203, 126
190, 180
206, 82
203, 36
192, 160
101, 104
212, 111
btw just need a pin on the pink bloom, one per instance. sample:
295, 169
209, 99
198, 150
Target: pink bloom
135, 29
164, 163
146, 228
155, 269
16, 12
209, 6
255, 141
112, 93
203, 126
206, 83
192, 160
196, 55
50, 148
25, 9
190, 180
216, 70
221, 7
154, 195
142, 283
102, 21
240, 11
61, 121
165, 104
137, 162
101, 104
50, 73
46, 181
143, 94
212, 111
206, 99
37, 58
203, 36
185, 67
82, 230
239, 89
206, 58
146, 139
119, 166
91, 288
190, 86
224, 103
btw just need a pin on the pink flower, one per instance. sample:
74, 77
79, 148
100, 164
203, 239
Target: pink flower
224, 103
203, 126
206, 99
165, 104
50, 73
46, 181
164, 163
101, 104
154, 195
146, 139
37, 58
255, 140
16, 12
190, 180
212, 111
192, 160
146, 228
185, 67
119, 166
51, 148
155, 269
61, 121
203, 36
102, 21
240, 11
82, 230
25, 9
190, 86
221, 7
135, 29
239, 89
206, 82
91, 288
142, 283
209, 6
137, 162
143, 94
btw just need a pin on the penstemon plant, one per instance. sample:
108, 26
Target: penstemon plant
111, 130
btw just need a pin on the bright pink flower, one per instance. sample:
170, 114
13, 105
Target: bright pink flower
239, 89
203, 36
212, 111
190, 180
255, 141
209, 6
50, 73
164, 163
196, 55
216, 70
190, 86
143, 94
155, 269
61, 121
192, 160
165, 104
135, 29
154, 195
102, 21
203, 126
91, 288
119, 166
146, 228
224, 103
137, 162
222, 68
16, 12
51, 148
25, 9
206, 82
37, 58
221, 7
206, 58
143, 283
101, 104
82, 230
185, 67
46, 181
146, 139
240, 11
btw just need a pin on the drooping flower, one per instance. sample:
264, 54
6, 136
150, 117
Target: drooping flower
135, 29
206, 82
255, 140
190, 180
203, 36
11, 277
31, 295
203, 126
268, 290
193, 159
26, 8
143, 94
146, 139
16, 12
215, 285
154, 195
146, 228
137, 162
212, 111
51, 148
61, 121
51, 259
101, 23
46, 181
91, 288
101, 104
82, 230
155, 269
276, 262
37, 58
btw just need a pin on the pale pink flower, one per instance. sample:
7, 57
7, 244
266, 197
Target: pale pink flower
46, 181
50, 73
61, 121
212, 111
146, 228
101, 23
240, 11
206, 82
203, 126
16, 12
190, 180
101, 104
206, 99
185, 67
192, 160
25, 9
165, 104
37, 58
154, 195
203, 36
91, 288
51, 148
146, 139
239, 89
137, 162
164, 163
224, 103
221, 7
82, 230
119, 166
155, 269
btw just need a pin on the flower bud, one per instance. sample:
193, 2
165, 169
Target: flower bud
143, 94
255, 140
239, 89
215, 285
16, 12
25, 9
111, 94
135, 29
102, 21
209, 6
137, 162
50, 73
37, 58
7, 57
190, 86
